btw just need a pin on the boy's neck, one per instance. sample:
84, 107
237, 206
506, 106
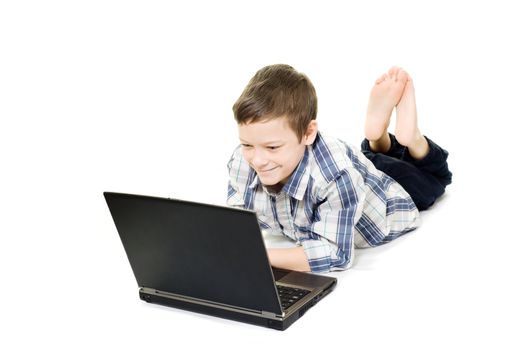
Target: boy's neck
274, 189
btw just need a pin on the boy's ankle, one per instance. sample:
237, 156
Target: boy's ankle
382, 145
419, 148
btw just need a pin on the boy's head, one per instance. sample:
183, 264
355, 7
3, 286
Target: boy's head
276, 117
278, 91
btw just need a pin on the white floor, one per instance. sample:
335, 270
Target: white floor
131, 97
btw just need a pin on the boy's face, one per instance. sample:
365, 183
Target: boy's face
272, 149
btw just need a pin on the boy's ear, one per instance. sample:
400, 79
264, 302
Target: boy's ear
311, 133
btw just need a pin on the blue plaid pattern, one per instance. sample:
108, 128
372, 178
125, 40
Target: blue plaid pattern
335, 201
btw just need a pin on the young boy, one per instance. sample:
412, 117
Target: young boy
326, 195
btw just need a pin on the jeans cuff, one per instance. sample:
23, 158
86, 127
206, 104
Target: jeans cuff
396, 149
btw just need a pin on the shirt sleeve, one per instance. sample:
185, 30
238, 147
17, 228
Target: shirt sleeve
331, 242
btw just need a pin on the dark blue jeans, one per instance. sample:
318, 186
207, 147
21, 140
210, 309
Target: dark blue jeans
425, 179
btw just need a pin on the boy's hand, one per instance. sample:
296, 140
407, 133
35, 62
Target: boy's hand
289, 259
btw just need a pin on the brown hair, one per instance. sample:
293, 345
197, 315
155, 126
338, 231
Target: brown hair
276, 91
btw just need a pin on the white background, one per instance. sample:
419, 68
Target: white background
136, 96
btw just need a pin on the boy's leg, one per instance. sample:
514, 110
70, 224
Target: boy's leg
407, 130
385, 95
415, 162
421, 151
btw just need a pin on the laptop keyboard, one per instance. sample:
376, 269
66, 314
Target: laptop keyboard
290, 295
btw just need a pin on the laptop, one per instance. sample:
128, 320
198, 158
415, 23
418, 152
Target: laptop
210, 259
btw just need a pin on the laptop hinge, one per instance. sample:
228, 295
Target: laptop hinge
269, 314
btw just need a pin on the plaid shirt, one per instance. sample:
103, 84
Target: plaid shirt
334, 201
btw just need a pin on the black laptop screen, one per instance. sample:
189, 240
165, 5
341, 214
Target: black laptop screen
197, 250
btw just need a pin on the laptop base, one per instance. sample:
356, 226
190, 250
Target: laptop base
213, 311
278, 324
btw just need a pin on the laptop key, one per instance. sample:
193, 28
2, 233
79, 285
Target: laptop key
290, 296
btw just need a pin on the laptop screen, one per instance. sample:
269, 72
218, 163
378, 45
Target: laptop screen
196, 250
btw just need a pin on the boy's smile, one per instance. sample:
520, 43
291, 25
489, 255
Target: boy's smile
272, 149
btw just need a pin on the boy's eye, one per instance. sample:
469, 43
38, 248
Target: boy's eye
245, 145
273, 147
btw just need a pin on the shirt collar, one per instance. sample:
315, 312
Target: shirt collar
254, 179
298, 181
296, 185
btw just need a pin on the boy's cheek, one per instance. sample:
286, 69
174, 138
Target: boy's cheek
246, 155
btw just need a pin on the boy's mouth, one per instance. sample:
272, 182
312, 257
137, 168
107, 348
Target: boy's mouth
268, 170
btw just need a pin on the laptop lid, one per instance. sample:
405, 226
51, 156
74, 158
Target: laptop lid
196, 250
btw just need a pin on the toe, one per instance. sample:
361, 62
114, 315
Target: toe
392, 72
381, 79
402, 76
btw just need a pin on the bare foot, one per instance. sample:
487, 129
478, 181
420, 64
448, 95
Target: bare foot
385, 95
407, 131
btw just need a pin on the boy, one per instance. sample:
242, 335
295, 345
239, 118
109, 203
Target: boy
319, 191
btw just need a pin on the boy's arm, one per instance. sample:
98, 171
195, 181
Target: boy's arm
330, 243
289, 258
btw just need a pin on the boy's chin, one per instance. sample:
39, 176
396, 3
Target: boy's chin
269, 182
273, 184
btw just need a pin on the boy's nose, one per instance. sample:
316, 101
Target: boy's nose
259, 160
